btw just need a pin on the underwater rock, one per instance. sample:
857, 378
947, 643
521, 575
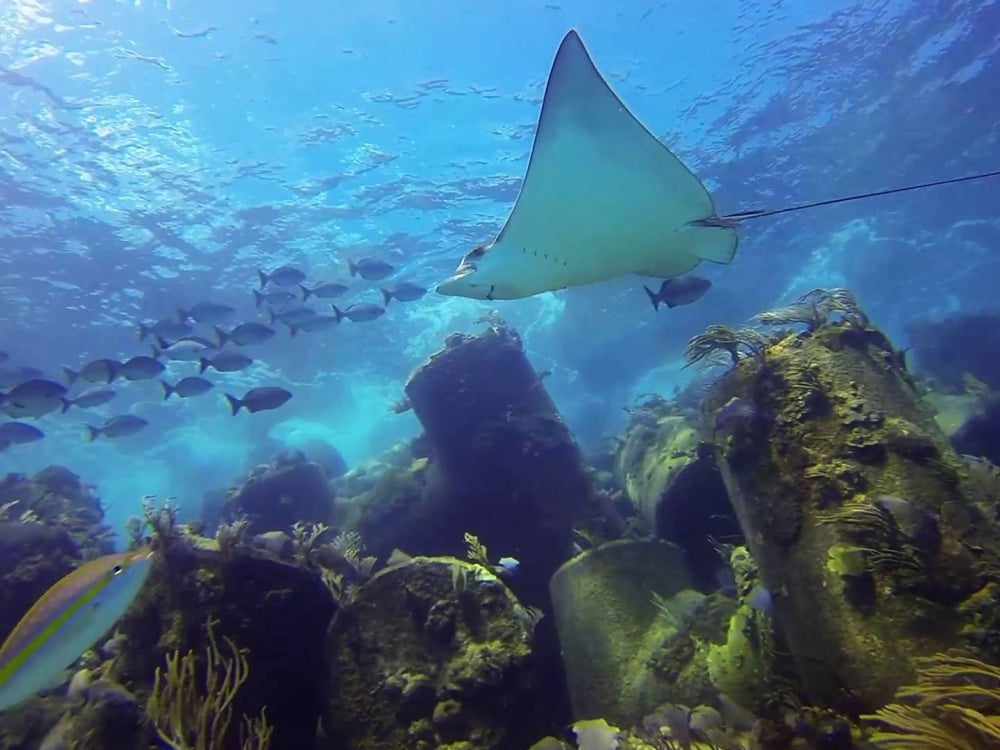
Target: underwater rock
278, 613
32, 558
433, 652
508, 468
276, 495
675, 486
960, 345
55, 496
979, 435
835, 485
326, 455
618, 607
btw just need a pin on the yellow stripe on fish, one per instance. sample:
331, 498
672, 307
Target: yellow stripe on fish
67, 620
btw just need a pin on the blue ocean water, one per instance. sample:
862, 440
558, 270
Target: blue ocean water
160, 153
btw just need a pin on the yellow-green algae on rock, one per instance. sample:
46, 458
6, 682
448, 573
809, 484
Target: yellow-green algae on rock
840, 437
611, 630
432, 653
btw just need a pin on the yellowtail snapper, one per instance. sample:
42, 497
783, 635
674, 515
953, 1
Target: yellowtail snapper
15, 433
277, 297
93, 396
226, 362
206, 312
98, 371
245, 334
67, 620
142, 367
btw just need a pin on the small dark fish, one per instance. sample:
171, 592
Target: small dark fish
259, 399
360, 312
226, 362
283, 276
142, 367
186, 387
327, 290
168, 328
17, 374
212, 313
404, 292
34, 392
315, 323
275, 298
121, 426
735, 410
94, 396
292, 315
371, 269
183, 350
680, 291
245, 334
15, 433
98, 371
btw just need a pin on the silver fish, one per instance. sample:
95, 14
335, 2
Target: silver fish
292, 315
121, 426
16, 433
168, 328
33, 398
326, 290
206, 312
360, 312
679, 291
404, 292
259, 399
183, 350
276, 297
97, 371
245, 334
315, 323
371, 269
94, 396
226, 362
142, 367
186, 387
283, 276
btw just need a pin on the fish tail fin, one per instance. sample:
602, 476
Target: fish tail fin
143, 331
653, 298
71, 375
352, 268
221, 336
258, 298
203, 365
272, 315
92, 433
264, 278
306, 291
66, 403
234, 403
337, 314
386, 295
168, 389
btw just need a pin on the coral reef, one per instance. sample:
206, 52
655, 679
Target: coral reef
839, 480
624, 614
432, 653
672, 481
276, 495
270, 617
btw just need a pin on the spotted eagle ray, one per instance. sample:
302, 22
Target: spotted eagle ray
602, 197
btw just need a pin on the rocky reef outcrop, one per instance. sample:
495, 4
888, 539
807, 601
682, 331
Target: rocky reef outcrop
432, 653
